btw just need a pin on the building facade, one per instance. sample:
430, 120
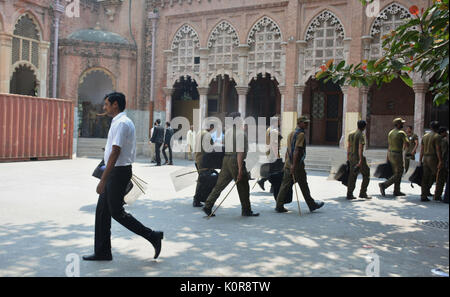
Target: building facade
170, 57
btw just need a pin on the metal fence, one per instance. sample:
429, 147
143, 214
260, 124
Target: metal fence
33, 128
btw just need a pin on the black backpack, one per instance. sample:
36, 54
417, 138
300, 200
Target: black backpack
416, 177
384, 171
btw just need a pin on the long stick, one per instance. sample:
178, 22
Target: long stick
140, 179
196, 171
221, 202
296, 195
138, 185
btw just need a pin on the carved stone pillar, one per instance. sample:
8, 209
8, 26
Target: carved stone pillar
420, 90
364, 91
299, 90
168, 94
5, 61
203, 92
301, 45
204, 55
242, 92
43, 58
344, 115
243, 64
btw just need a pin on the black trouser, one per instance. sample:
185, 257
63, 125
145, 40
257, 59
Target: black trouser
157, 152
170, 153
110, 204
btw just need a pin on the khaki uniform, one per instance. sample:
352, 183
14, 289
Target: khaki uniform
230, 171
430, 160
408, 153
299, 174
396, 139
199, 149
443, 172
355, 139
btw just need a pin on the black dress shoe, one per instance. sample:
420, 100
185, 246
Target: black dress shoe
383, 193
261, 184
155, 239
316, 205
249, 214
281, 209
170, 163
208, 211
197, 204
399, 194
365, 196
95, 257
351, 197
424, 199
158, 164
165, 163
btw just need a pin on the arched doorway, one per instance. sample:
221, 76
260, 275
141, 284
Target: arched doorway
185, 98
263, 97
325, 107
24, 81
222, 97
93, 87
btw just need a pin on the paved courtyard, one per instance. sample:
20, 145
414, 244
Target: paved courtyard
48, 208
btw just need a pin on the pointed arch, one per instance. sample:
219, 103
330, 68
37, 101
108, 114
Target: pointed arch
105, 71
389, 18
27, 25
223, 56
325, 40
267, 53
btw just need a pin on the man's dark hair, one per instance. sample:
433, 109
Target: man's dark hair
442, 129
362, 124
234, 114
434, 125
158, 121
119, 98
168, 124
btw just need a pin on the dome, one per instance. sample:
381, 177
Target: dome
97, 35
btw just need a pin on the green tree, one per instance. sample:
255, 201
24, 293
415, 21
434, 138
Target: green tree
419, 45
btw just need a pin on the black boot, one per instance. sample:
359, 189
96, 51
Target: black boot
95, 257
249, 213
155, 238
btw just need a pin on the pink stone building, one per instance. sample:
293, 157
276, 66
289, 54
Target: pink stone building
170, 57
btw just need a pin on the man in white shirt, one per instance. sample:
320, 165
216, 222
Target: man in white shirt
120, 153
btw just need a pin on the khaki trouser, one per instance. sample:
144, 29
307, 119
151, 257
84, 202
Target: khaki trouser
396, 161
288, 182
353, 175
229, 172
429, 173
440, 183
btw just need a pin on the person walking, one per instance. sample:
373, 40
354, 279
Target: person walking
233, 168
190, 137
152, 145
358, 163
158, 140
443, 172
167, 144
430, 158
294, 168
411, 148
397, 142
120, 153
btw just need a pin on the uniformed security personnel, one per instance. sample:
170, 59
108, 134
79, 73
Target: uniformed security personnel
397, 141
273, 141
295, 168
233, 168
443, 172
430, 158
358, 163
411, 148
199, 151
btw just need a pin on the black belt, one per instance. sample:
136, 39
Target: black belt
398, 152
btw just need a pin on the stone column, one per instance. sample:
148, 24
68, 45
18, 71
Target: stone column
364, 91
301, 45
282, 90
366, 41
347, 43
5, 61
299, 90
58, 10
344, 115
420, 90
242, 92
204, 56
168, 56
43, 72
168, 94
203, 91
243, 64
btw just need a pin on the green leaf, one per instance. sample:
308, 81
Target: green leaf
408, 81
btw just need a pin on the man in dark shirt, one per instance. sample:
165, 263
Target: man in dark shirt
158, 139
167, 145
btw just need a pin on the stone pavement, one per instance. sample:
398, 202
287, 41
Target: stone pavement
48, 207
